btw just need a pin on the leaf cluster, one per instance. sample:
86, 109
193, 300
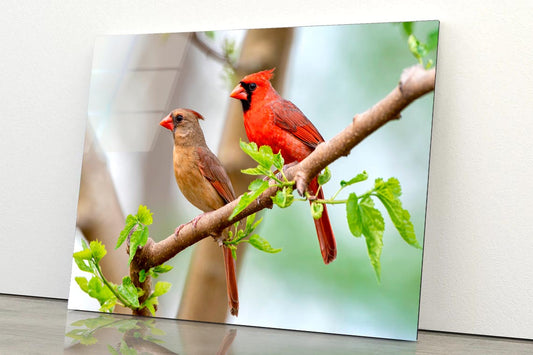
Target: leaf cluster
136, 230
126, 294
420, 49
266, 160
245, 235
363, 218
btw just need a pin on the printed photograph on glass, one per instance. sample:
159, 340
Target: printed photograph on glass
265, 177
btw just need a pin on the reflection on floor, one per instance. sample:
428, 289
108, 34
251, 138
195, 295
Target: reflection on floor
44, 326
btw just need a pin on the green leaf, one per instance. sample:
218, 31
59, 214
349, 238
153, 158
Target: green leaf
210, 34
98, 250
131, 222
284, 197
134, 243
137, 239
249, 148
244, 201
96, 289
257, 171
353, 215
83, 283
392, 184
161, 287
249, 223
108, 305
373, 227
278, 161
256, 223
240, 235
112, 350
82, 265
144, 236
161, 269
85, 254
324, 177
144, 215
233, 252
262, 244
150, 304
316, 209
129, 292
407, 28
266, 156
389, 193
142, 275
417, 48
263, 155
257, 187
360, 177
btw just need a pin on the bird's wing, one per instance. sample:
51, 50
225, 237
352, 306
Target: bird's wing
289, 117
211, 168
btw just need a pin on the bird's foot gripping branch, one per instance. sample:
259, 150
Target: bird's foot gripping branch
362, 216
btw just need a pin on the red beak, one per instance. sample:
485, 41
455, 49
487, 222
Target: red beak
167, 123
239, 93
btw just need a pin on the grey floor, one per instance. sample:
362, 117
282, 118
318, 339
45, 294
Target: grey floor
31, 325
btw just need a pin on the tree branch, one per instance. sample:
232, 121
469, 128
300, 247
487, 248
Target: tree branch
207, 49
414, 83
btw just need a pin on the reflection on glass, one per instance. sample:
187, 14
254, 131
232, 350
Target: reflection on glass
89, 333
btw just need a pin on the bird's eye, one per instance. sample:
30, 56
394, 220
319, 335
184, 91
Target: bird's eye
179, 118
252, 86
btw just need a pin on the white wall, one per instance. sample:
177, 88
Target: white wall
477, 274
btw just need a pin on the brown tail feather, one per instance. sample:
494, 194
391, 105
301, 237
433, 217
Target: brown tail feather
231, 281
326, 239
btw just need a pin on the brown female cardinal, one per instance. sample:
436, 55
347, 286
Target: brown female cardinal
271, 120
202, 179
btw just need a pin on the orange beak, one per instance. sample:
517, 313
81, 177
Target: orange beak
167, 123
239, 93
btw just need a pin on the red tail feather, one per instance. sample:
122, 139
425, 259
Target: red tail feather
326, 239
231, 282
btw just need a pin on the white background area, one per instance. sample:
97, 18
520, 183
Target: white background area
477, 273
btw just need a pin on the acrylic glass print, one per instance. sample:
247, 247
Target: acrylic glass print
148, 175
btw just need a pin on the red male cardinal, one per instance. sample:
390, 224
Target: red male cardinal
202, 179
271, 120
